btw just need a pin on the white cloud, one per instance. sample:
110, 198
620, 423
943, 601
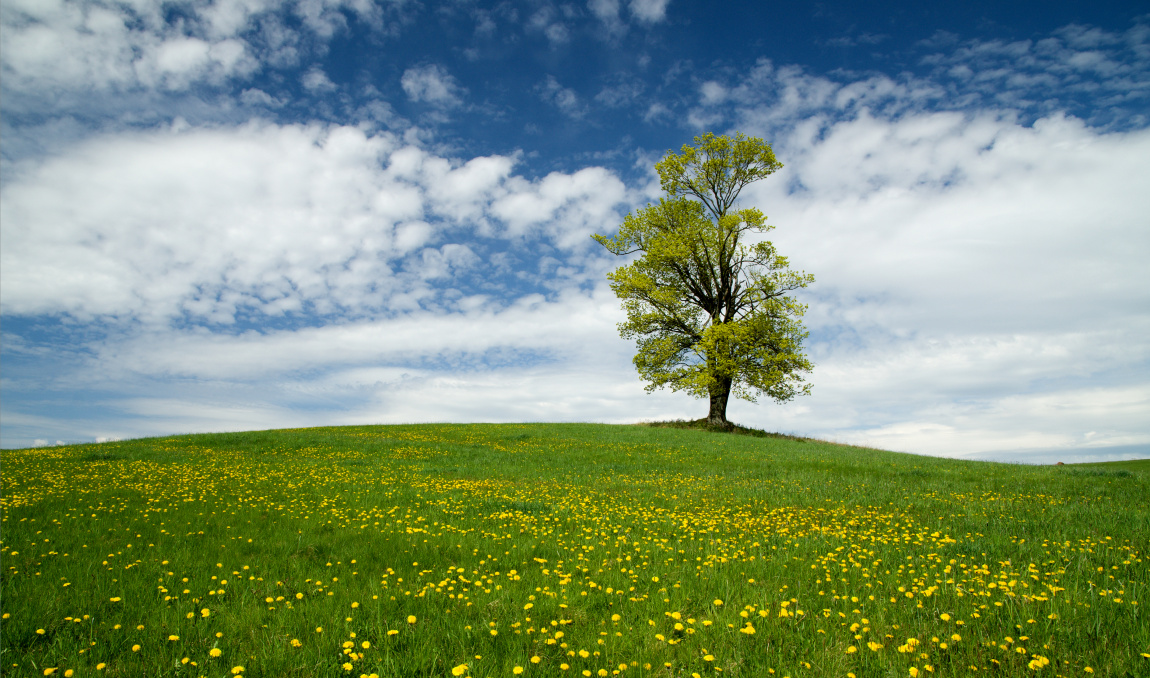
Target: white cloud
563, 98
316, 81
649, 11
267, 219
58, 47
607, 12
713, 93
431, 84
565, 207
546, 21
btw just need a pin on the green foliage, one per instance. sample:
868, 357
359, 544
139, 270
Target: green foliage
708, 302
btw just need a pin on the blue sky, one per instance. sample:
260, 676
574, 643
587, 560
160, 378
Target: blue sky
250, 214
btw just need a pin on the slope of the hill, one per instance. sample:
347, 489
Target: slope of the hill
563, 549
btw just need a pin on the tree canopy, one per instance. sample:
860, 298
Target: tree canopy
708, 301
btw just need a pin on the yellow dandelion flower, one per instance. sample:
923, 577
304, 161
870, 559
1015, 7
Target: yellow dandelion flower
115, 600
536, 659
135, 648
215, 652
347, 666
48, 672
717, 602
459, 670
956, 637
205, 612
173, 638
237, 670
944, 616
411, 619
100, 666
392, 632
319, 629
517, 670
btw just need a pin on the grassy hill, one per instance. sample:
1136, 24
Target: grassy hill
564, 550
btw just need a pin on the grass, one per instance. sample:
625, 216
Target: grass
564, 550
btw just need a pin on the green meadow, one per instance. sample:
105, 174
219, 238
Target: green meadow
564, 550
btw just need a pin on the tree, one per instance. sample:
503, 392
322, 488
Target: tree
711, 311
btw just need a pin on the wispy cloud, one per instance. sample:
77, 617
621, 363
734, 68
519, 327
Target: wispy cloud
431, 84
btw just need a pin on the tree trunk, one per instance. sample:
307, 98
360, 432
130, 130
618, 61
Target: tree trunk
720, 393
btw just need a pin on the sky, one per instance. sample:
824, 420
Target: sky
250, 214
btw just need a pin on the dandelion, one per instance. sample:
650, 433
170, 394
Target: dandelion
205, 612
956, 637
48, 672
100, 666
299, 596
115, 599
237, 670
215, 652
536, 659
296, 643
135, 648
392, 632
411, 619
355, 605
944, 616
517, 670
347, 666
173, 638
717, 602
459, 670
40, 631
319, 629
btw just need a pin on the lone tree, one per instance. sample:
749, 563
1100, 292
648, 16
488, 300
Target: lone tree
711, 312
